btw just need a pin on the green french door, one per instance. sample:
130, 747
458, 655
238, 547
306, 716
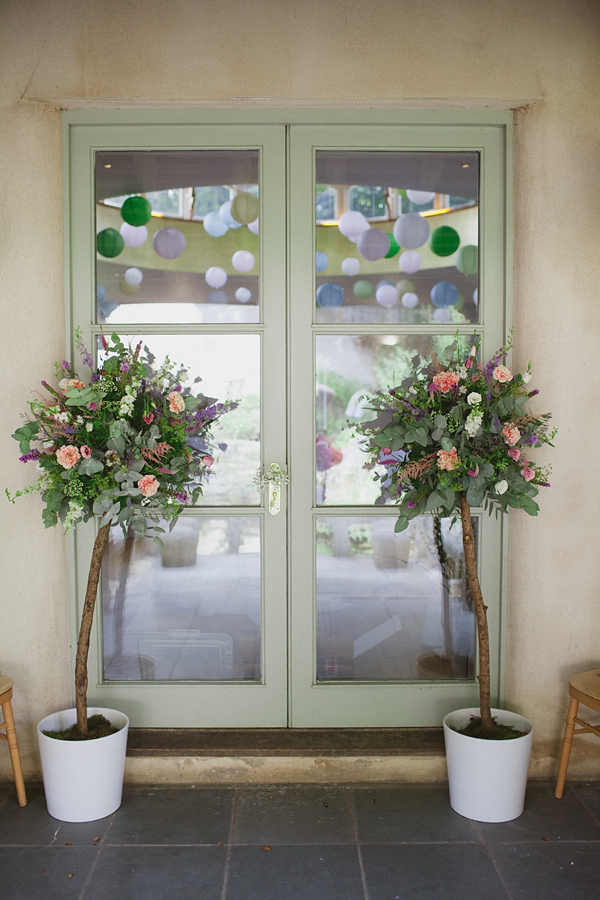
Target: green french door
295, 269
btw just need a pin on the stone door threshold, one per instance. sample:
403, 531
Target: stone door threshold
290, 742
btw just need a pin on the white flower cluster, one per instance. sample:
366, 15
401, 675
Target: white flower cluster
473, 423
126, 404
74, 514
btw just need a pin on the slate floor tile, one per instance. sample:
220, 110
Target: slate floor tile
299, 872
158, 873
545, 817
441, 871
32, 824
172, 816
409, 813
589, 795
44, 873
545, 871
292, 815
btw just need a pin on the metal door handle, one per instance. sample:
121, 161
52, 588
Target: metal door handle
272, 481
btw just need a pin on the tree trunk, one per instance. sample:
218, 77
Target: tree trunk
487, 723
87, 616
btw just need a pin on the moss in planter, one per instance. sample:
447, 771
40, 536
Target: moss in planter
98, 726
501, 733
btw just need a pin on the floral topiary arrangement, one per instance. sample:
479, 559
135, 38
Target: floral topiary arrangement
458, 434
132, 446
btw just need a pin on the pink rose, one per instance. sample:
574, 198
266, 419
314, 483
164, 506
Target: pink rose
67, 456
445, 381
514, 453
511, 434
528, 473
469, 362
502, 374
447, 459
148, 418
148, 485
208, 461
176, 402
86, 451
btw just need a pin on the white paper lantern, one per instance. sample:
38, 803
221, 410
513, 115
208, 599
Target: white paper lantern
411, 230
216, 277
243, 294
225, 214
373, 244
133, 276
350, 266
409, 300
169, 243
253, 226
352, 224
243, 261
420, 197
134, 235
214, 225
409, 262
387, 295
442, 315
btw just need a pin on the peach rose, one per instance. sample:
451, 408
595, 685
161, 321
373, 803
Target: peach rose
176, 402
447, 459
68, 456
67, 383
148, 485
502, 374
445, 381
511, 434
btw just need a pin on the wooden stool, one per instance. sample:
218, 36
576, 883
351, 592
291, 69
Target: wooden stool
584, 688
11, 736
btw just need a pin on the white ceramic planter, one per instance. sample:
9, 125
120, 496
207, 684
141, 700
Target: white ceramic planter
487, 779
83, 780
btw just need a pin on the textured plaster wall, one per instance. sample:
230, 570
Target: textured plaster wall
540, 57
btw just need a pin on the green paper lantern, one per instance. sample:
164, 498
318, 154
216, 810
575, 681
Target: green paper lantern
394, 247
404, 286
244, 208
136, 211
466, 259
128, 289
444, 241
109, 243
362, 289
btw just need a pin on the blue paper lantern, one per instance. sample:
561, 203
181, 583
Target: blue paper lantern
330, 294
321, 261
444, 294
214, 225
217, 297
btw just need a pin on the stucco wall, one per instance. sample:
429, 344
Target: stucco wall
539, 57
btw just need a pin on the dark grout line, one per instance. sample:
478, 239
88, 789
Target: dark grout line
99, 846
571, 790
354, 824
492, 859
229, 845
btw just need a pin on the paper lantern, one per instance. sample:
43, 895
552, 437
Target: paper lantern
109, 243
136, 211
129, 289
475, 296
217, 297
442, 316
225, 214
169, 243
444, 241
134, 235
321, 261
243, 261
411, 230
409, 262
373, 244
386, 295
244, 208
350, 266
466, 259
216, 277
253, 226
409, 300
352, 224
243, 294
362, 289
330, 294
101, 293
419, 198
133, 276
404, 286
107, 308
214, 225
394, 247
444, 294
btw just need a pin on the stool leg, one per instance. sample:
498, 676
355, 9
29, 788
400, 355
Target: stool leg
566, 748
13, 748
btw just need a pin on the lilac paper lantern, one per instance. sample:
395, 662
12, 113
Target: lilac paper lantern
253, 226
214, 225
409, 262
134, 235
373, 244
442, 316
411, 230
350, 266
243, 295
409, 300
169, 243
352, 224
387, 295
133, 276
243, 261
419, 198
216, 277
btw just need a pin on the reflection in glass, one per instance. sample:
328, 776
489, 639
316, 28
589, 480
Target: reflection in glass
229, 366
186, 611
407, 222
182, 257
392, 606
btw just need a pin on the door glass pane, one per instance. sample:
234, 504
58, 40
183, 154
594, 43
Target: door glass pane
392, 606
187, 611
396, 237
229, 366
349, 367
177, 236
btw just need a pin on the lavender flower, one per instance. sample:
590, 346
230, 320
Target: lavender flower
33, 454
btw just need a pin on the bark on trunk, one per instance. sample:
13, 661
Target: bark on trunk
481, 618
87, 616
